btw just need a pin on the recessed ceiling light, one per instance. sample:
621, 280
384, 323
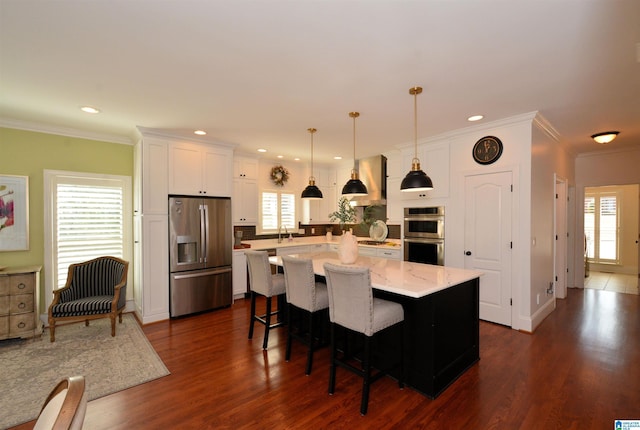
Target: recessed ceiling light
296, 159
280, 156
200, 132
337, 157
262, 150
475, 118
89, 109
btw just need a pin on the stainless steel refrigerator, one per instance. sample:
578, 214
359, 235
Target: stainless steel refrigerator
200, 254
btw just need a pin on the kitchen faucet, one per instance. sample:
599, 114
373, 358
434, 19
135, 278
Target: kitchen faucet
286, 232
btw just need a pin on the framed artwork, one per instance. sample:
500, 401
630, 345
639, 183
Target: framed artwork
14, 213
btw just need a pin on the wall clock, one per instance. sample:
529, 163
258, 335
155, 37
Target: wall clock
487, 150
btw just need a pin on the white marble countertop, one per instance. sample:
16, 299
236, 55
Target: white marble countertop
400, 277
262, 244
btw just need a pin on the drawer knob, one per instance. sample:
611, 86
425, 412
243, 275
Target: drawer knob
22, 286
22, 305
21, 324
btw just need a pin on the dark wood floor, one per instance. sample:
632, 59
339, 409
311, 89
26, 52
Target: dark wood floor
579, 370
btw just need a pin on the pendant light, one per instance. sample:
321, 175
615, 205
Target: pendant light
354, 186
312, 192
416, 179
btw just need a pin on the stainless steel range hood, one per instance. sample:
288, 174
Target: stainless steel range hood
373, 173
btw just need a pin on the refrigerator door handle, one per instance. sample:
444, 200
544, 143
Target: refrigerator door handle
204, 229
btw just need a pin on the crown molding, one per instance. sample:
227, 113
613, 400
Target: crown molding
516, 119
64, 131
178, 135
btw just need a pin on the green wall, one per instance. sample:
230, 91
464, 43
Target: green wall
28, 153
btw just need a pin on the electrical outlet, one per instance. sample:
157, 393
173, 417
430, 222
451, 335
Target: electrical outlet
313, 230
538, 299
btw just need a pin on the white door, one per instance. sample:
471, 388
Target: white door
488, 241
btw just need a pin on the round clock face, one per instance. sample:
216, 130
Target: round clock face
487, 150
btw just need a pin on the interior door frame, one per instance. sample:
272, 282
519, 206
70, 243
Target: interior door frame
561, 242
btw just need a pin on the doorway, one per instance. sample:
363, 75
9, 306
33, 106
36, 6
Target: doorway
612, 224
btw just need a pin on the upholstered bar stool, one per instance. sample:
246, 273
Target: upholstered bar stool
263, 283
352, 306
304, 293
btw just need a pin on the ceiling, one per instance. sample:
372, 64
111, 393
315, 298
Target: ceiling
259, 73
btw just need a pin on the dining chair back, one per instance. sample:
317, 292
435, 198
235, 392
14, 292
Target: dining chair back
311, 297
353, 306
262, 282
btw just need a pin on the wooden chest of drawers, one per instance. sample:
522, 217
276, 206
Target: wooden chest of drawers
20, 302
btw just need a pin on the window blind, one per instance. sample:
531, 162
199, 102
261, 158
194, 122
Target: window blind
89, 223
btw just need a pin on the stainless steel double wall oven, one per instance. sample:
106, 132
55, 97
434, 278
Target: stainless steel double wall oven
424, 235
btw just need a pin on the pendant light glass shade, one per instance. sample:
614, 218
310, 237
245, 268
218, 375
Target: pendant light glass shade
354, 186
416, 179
312, 192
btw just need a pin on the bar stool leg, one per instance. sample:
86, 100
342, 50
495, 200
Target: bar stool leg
287, 354
366, 380
332, 366
267, 324
310, 352
253, 314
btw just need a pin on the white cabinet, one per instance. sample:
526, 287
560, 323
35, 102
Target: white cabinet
151, 247
245, 167
317, 211
245, 191
200, 169
152, 302
434, 161
239, 268
150, 176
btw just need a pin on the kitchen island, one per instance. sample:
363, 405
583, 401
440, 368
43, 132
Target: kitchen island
441, 307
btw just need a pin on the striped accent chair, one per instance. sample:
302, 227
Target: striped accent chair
95, 289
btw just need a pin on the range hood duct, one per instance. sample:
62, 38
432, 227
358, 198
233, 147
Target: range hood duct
373, 173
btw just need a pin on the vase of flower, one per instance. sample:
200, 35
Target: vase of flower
348, 248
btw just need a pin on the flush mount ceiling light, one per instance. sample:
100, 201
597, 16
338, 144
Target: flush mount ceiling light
605, 137
416, 179
354, 186
312, 192
200, 132
89, 109
475, 118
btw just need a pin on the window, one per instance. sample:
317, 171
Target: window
86, 216
601, 226
277, 209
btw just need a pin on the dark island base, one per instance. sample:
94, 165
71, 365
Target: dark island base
442, 333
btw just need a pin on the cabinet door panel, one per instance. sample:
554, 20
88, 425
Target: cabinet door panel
216, 172
185, 171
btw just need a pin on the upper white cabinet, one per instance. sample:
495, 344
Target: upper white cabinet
245, 191
319, 210
200, 169
150, 176
245, 168
434, 161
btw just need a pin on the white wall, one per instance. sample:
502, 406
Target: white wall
618, 167
548, 159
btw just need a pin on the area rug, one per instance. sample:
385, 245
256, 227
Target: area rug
29, 369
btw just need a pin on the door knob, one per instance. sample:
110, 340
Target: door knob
467, 253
